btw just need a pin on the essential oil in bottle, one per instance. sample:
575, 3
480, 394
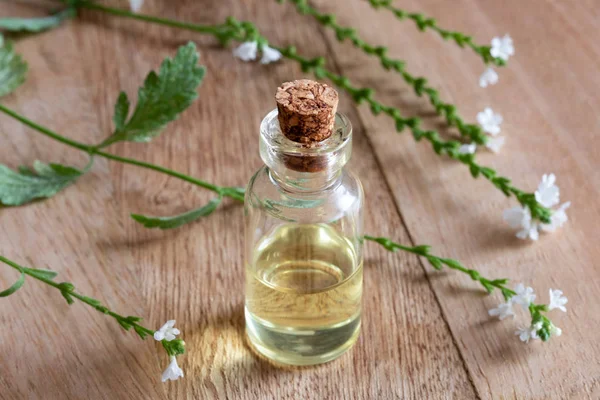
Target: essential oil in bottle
304, 232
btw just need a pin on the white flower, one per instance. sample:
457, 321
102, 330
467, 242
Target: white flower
520, 218
173, 372
525, 334
136, 5
503, 310
557, 219
555, 330
547, 193
269, 55
246, 51
502, 47
495, 144
557, 300
489, 121
525, 296
489, 77
467, 148
167, 331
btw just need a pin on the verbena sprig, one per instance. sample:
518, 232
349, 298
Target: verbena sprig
160, 100
68, 291
418, 83
423, 23
535, 310
243, 31
440, 146
233, 192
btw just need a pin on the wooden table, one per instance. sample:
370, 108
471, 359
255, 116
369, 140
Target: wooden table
426, 334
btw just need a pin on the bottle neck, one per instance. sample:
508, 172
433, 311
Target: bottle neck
293, 181
300, 167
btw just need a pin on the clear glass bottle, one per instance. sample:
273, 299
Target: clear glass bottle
304, 261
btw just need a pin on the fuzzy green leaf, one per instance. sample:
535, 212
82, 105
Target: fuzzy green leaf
16, 286
18, 188
36, 24
12, 68
177, 220
160, 100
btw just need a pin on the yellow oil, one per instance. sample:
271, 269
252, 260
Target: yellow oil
303, 294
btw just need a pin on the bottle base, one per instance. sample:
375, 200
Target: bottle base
301, 346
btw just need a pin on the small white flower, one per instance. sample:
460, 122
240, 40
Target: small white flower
555, 330
489, 77
173, 372
246, 51
167, 331
557, 219
136, 5
495, 143
525, 296
520, 218
547, 193
525, 334
467, 148
557, 300
269, 55
502, 47
503, 310
489, 121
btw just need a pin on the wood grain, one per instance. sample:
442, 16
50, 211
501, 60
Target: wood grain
425, 335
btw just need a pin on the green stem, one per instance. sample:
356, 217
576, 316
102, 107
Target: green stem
87, 300
535, 310
212, 29
93, 151
418, 83
44, 130
423, 23
438, 262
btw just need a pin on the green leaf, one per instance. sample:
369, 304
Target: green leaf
36, 24
41, 273
435, 263
16, 286
452, 263
140, 331
67, 297
121, 111
177, 220
236, 193
12, 68
160, 100
21, 187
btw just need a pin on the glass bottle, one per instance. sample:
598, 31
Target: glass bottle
304, 261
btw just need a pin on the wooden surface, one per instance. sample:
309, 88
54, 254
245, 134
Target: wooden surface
426, 334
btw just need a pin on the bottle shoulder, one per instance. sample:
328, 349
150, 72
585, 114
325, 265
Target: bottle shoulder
345, 195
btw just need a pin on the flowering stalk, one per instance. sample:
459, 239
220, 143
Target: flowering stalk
424, 23
418, 83
67, 290
232, 192
236, 30
543, 326
449, 147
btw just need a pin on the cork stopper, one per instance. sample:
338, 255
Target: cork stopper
306, 110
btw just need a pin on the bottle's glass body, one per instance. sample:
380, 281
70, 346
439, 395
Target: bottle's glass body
303, 248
